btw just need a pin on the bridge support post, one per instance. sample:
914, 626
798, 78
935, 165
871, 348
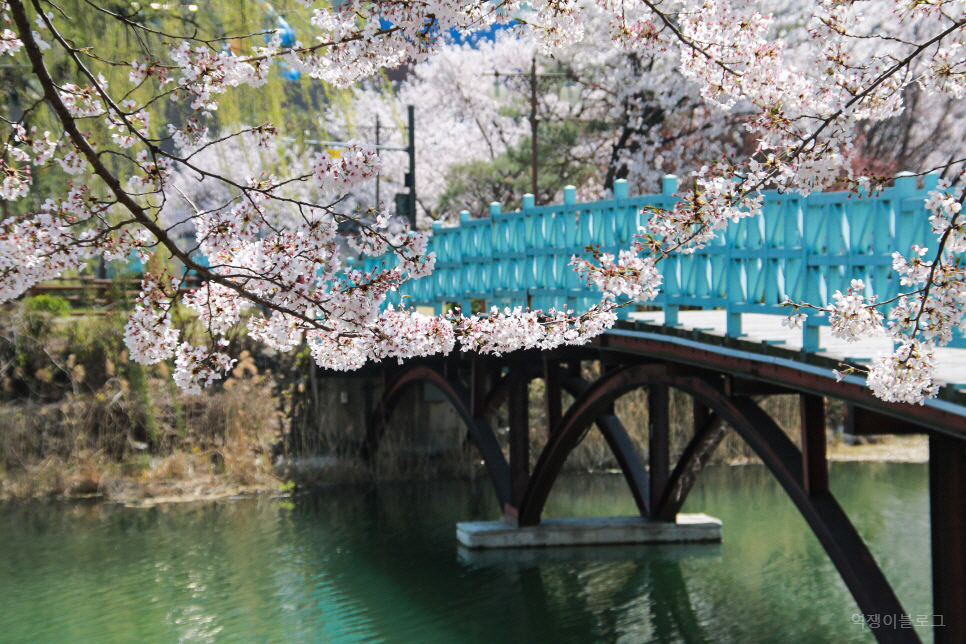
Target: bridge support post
478, 388
552, 393
814, 455
659, 444
733, 324
518, 401
947, 508
810, 340
671, 315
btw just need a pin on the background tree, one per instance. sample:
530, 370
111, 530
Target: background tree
632, 117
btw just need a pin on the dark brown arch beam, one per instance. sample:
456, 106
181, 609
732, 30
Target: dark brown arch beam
594, 402
860, 421
825, 517
708, 435
620, 443
610, 427
819, 508
478, 428
946, 418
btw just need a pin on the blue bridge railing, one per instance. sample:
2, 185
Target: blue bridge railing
803, 248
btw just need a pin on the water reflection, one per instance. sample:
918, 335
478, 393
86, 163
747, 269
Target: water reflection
648, 596
382, 565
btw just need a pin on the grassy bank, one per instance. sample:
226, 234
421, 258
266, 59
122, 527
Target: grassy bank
78, 418
91, 444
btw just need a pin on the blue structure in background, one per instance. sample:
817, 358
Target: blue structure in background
802, 248
287, 35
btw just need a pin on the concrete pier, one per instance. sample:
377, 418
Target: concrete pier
523, 558
590, 531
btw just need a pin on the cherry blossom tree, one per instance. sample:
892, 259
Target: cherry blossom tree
269, 243
636, 118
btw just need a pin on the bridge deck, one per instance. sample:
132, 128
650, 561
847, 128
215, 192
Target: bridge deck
758, 327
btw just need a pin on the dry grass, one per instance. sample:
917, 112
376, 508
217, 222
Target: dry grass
98, 444
894, 449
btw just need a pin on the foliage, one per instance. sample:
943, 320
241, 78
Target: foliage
294, 100
56, 306
475, 185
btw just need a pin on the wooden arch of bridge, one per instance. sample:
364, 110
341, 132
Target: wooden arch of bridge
724, 384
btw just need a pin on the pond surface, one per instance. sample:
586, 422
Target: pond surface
382, 565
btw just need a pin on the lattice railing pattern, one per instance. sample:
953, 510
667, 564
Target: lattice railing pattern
804, 248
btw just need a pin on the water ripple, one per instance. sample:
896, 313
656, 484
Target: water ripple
364, 565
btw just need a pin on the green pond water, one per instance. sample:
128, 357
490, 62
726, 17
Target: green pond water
381, 564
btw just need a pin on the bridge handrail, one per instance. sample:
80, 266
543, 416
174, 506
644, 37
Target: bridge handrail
803, 248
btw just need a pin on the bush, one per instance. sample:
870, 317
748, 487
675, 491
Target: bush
53, 304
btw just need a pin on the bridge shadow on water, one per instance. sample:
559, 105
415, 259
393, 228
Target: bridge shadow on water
726, 380
769, 582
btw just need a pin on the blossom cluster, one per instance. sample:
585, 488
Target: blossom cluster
205, 74
852, 316
906, 375
355, 164
514, 329
9, 43
130, 125
149, 334
630, 275
196, 367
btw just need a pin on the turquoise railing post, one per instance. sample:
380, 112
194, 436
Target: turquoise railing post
465, 278
620, 189
905, 185
578, 238
811, 243
504, 270
908, 226
736, 277
669, 186
533, 264
734, 324
810, 341
570, 195
906, 220
671, 315
437, 276
621, 214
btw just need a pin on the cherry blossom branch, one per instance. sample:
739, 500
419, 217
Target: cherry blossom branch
113, 184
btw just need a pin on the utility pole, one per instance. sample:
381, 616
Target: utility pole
534, 122
532, 77
377, 152
411, 177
